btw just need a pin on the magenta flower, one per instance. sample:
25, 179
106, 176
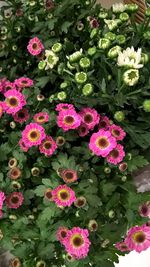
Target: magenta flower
23, 82
1, 109
64, 106
77, 243
14, 200
68, 119
61, 234
33, 135
2, 198
41, 117
117, 132
63, 196
102, 143
69, 175
138, 238
144, 209
122, 246
9, 86
35, 46
48, 146
116, 155
90, 117
104, 123
14, 101
83, 130
21, 116
22, 146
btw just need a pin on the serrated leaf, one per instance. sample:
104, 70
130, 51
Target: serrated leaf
137, 162
65, 26
39, 191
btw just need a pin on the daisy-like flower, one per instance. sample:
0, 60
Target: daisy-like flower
102, 143
35, 46
68, 119
63, 196
69, 176
2, 84
138, 238
61, 234
104, 123
117, 132
48, 146
122, 246
123, 166
64, 106
130, 58
144, 209
1, 109
41, 117
112, 24
2, 198
51, 59
33, 135
116, 155
131, 77
60, 141
77, 243
9, 86
14, 173
118, 8
48, 194
90, 117
83, 130
94, 23
14, 200
23, 146
21, 116
23, 82
14, 101
93, 225
80, 202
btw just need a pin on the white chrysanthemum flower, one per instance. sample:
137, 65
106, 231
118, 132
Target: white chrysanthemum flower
118, 7
112, 23
131, 77
130, 58
51, 59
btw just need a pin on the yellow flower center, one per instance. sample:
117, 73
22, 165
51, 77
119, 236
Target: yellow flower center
69, 120
63, 195
12, 102
47, 145
139, 237
102, 142
34, 135
77, 240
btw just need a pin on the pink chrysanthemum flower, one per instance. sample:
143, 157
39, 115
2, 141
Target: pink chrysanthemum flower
102, 143
64, 106
116, 155
2, 198
69, 175
14, 200
122, 246
77, 243
83, 130
61, 234
9, 86
35, 46
144, 209
33, 135
90, 117
23, 82
2, 85
21, 116
138, 238
41, 117
104, 123
14, 101
48, 146
22, 146
63, 196
117, 132
68, 119
1, 109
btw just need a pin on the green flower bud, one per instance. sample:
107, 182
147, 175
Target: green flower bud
62, 95
12, 217
60, 68
132, 7
104, 43
14, 48
80, 26
129, 156
144, 58
92, 51
12, 163
41, 65
84, 62
32, 3
1, 69
12, 125
111, 214
87, 89
114, 51
105, 243
35, 171
41, 264
50, 16
119, 116
112, 24
17, 28
94, 32
80, 77
75, 56
16, 185
31, 17
120, 39
124, 178
4, 30
131, 77
146, 105
109, 77
93, 225
147, 12
7, 14
40, 97
146, 35
51, 98
103, 15
107, 170
110, 35
69, 258
57, 47
14, 60
124, 16
31, 217
64, 85
3, 37
70, 67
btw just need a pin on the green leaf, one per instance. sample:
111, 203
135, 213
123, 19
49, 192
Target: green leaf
108, 189
65, 26
39, 191
41, 82
48, 213
137, 162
